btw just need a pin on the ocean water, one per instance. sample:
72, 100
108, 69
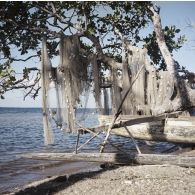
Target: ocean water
21, 132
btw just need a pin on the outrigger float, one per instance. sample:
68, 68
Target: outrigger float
143, 102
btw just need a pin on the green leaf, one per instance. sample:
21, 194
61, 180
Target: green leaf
12, 78
2, 97
177, 30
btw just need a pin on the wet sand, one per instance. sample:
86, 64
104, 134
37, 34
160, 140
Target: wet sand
60, 178
15, 177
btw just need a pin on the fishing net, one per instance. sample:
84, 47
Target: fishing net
136, 58
72, 82
97, 83
70, 79
116, 89
46, 79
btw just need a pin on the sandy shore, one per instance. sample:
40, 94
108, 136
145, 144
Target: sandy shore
145, 179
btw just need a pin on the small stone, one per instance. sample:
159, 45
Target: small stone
129, 182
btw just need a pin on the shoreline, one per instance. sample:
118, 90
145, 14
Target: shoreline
57, 175
46, 185
141, 179
44, 172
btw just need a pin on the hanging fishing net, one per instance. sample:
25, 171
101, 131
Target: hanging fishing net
71, 80
77, 76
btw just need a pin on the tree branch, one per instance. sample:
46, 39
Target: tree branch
161, 40
101, 56
24, 60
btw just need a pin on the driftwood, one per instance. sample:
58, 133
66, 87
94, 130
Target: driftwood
118, 158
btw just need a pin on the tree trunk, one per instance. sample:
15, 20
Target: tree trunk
181, 98
161, 42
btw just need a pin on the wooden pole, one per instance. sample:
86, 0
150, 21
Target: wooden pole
117, 158
77, 142
89, 140
136, 145
96, 134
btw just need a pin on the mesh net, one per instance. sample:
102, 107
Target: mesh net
72, 80
46, 78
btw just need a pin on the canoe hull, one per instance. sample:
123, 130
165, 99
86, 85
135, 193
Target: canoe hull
176, 130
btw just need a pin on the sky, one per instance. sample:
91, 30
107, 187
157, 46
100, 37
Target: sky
172, 13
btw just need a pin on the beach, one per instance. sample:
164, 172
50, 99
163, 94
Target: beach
21, 132
141, 179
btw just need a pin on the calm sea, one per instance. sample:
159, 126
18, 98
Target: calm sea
21, 132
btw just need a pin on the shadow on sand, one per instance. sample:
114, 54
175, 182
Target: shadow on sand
62, 182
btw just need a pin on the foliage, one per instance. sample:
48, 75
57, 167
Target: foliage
173, 43
7, 78
99, 25
24, 23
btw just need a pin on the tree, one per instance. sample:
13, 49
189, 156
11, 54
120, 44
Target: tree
102, 27
184, 94
171, 41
